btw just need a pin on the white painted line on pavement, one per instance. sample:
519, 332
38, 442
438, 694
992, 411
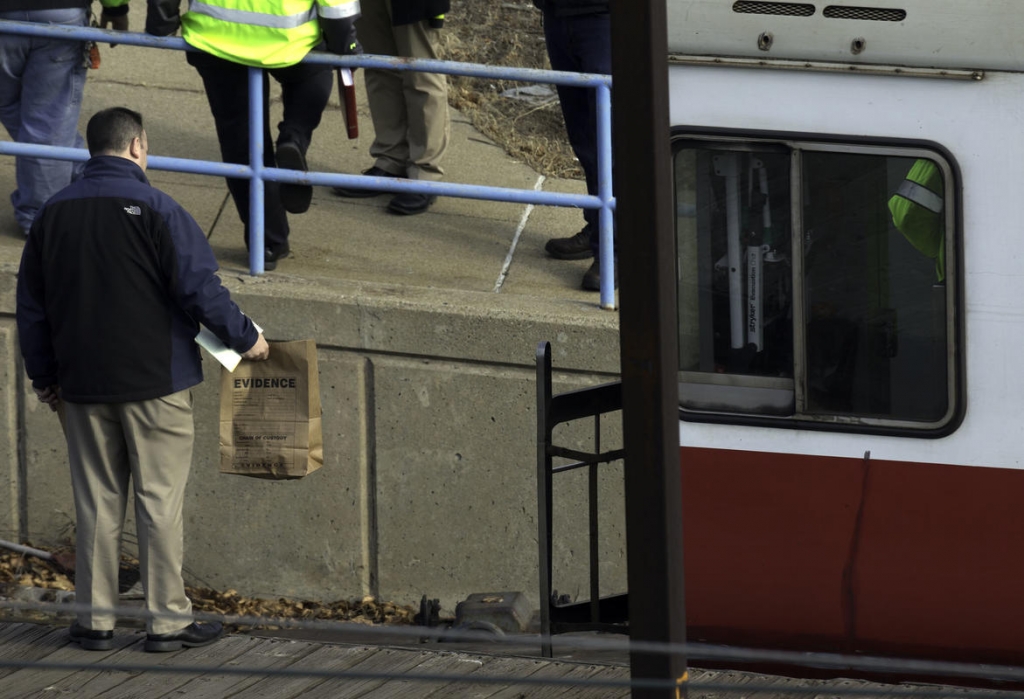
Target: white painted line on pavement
515, 239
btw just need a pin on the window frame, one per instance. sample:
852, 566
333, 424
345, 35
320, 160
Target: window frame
798, 143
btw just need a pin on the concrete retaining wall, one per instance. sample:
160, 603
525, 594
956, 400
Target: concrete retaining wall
429, 423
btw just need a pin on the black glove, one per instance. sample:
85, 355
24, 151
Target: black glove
341, 37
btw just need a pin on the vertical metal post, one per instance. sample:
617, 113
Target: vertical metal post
544, 506
604, 187
595, 534
647, 327
256, 189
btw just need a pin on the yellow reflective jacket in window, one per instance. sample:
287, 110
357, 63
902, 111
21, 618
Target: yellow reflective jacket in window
917, 212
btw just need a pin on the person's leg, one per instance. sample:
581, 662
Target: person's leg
159, 435
227, 90
384, 90
558, 37
42, 81
590, 44
99, 477
305, 90
426, 103
428, 130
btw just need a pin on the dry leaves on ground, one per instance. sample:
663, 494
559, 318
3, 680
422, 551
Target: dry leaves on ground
19, 570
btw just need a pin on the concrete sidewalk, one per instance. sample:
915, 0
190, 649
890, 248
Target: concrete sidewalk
427, 328
460, 244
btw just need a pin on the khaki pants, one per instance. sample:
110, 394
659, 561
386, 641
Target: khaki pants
149, 443
409, 109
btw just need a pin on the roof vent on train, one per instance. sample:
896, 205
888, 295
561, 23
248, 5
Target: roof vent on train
790, 9
876, 14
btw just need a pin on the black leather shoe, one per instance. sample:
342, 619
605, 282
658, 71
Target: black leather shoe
576, 247
409, 204
89, 639
295, 198
365, 193
592, 277
196, 634
270, 257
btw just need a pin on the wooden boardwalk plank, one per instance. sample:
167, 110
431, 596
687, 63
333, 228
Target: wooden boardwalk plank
30, 681
329, 658
11, 629
394, 661
550, 670
28, 643
31, 644
258, 653
466, 689
454, 665
608, 672
134, 684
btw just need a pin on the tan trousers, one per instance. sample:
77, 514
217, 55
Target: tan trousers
409, 109
149, 443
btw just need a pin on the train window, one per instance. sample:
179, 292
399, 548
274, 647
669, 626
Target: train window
815, 283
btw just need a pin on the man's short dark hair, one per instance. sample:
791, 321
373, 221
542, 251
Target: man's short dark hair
112, 130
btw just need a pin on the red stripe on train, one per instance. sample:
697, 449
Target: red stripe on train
830, 553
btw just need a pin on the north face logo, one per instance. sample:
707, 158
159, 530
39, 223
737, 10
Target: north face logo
133, 210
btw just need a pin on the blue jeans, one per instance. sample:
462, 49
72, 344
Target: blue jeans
581, 44
41, 82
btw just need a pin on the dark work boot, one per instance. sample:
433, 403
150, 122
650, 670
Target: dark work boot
295, 198
576, 247
592, 277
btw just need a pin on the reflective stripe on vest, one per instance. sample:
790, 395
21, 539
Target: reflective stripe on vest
921, 195
270, 34
253, 19
339, 11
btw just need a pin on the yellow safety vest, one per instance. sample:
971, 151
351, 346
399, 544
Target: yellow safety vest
260, 33
917, 212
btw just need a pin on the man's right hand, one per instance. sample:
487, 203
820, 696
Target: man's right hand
258, 352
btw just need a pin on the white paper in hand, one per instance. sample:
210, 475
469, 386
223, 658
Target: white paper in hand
217, 349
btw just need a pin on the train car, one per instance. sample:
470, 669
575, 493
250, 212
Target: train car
850, 227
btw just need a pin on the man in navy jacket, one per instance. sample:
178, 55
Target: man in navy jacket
115, 278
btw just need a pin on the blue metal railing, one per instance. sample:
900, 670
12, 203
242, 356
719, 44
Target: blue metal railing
257, 173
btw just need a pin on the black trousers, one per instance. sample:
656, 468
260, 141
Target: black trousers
581, 44
305, 89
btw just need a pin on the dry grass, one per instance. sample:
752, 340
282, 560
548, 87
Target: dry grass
507, 33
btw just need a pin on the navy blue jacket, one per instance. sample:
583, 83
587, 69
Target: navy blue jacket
115, 278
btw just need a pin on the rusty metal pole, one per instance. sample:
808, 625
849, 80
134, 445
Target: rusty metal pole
647, 327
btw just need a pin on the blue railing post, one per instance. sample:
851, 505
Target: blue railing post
604, 186
257, 240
